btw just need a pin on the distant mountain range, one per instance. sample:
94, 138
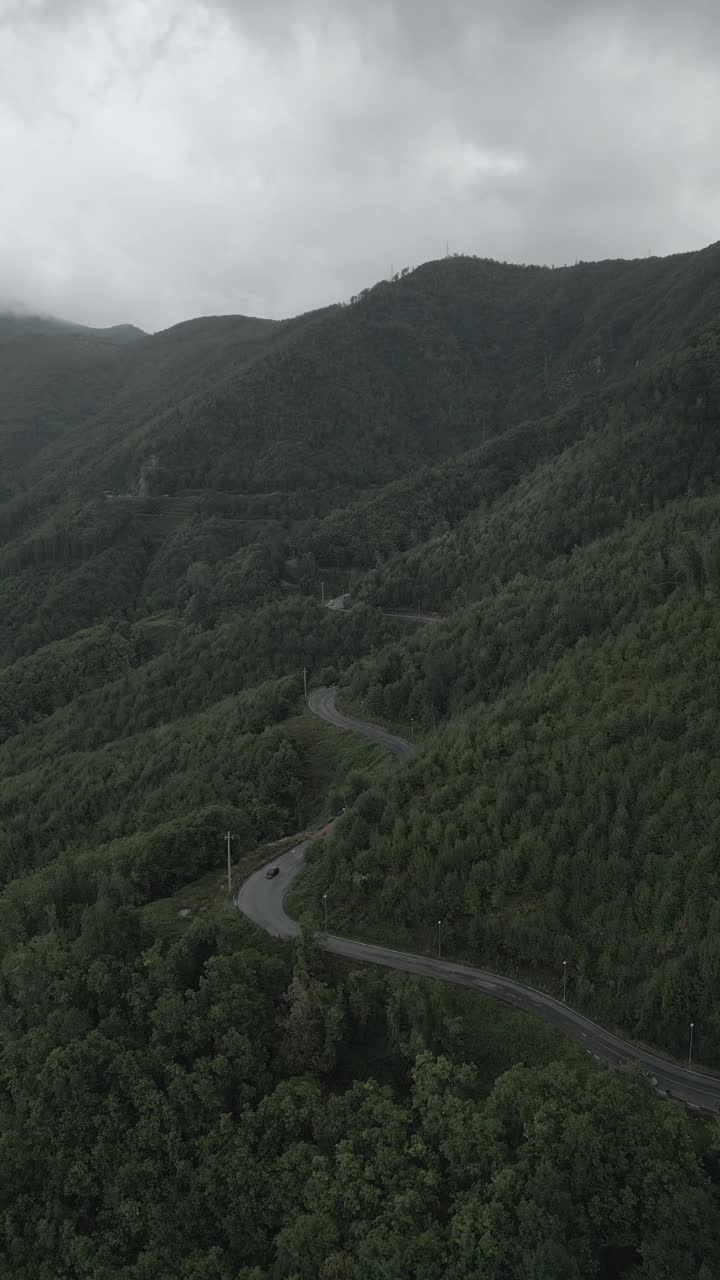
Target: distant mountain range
23, 324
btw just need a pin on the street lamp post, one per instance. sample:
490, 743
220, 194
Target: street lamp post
439, 943
325, 906
564, 981
228, 841
692, 1028
412, 728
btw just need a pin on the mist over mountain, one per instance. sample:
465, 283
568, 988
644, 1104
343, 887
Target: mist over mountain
17, 321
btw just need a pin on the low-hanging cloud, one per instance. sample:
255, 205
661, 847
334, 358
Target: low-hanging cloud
166, 158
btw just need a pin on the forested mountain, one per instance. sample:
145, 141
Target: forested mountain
23, 324
92, 384
533, 456
413, 370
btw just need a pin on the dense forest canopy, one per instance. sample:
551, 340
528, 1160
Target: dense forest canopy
530, 456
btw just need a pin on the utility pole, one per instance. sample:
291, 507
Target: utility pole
564, 981
305, 681
692, 1028
439, 946
228, 838
325, 906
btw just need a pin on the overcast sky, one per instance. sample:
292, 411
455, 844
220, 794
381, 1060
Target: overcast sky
169, 158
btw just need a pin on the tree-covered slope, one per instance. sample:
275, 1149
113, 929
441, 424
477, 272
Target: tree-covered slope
530, 453
420, 368
23, 324
67, 390
49, 382
565, 809
413, 371
630, 447
573, 816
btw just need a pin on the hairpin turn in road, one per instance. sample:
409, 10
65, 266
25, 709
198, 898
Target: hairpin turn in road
262, 901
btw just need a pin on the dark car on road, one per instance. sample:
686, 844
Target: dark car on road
272, 872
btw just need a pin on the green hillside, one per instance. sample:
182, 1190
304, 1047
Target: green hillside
22, 324
413, 371
53, 374
67, 390
576, 689
533, 455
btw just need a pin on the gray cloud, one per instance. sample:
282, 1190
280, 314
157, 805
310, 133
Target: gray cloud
174, 157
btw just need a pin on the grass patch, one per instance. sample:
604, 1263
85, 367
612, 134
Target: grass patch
208, 898
161, 630
328, 756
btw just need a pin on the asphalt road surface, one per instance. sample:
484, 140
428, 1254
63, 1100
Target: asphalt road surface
262, 900
410, 617
338, 603
322, 703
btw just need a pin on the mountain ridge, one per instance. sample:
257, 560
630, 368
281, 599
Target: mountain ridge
533, 456
20, 322
432, 359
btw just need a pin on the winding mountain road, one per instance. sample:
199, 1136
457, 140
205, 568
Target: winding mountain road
262, 901
322, 703
403, 615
